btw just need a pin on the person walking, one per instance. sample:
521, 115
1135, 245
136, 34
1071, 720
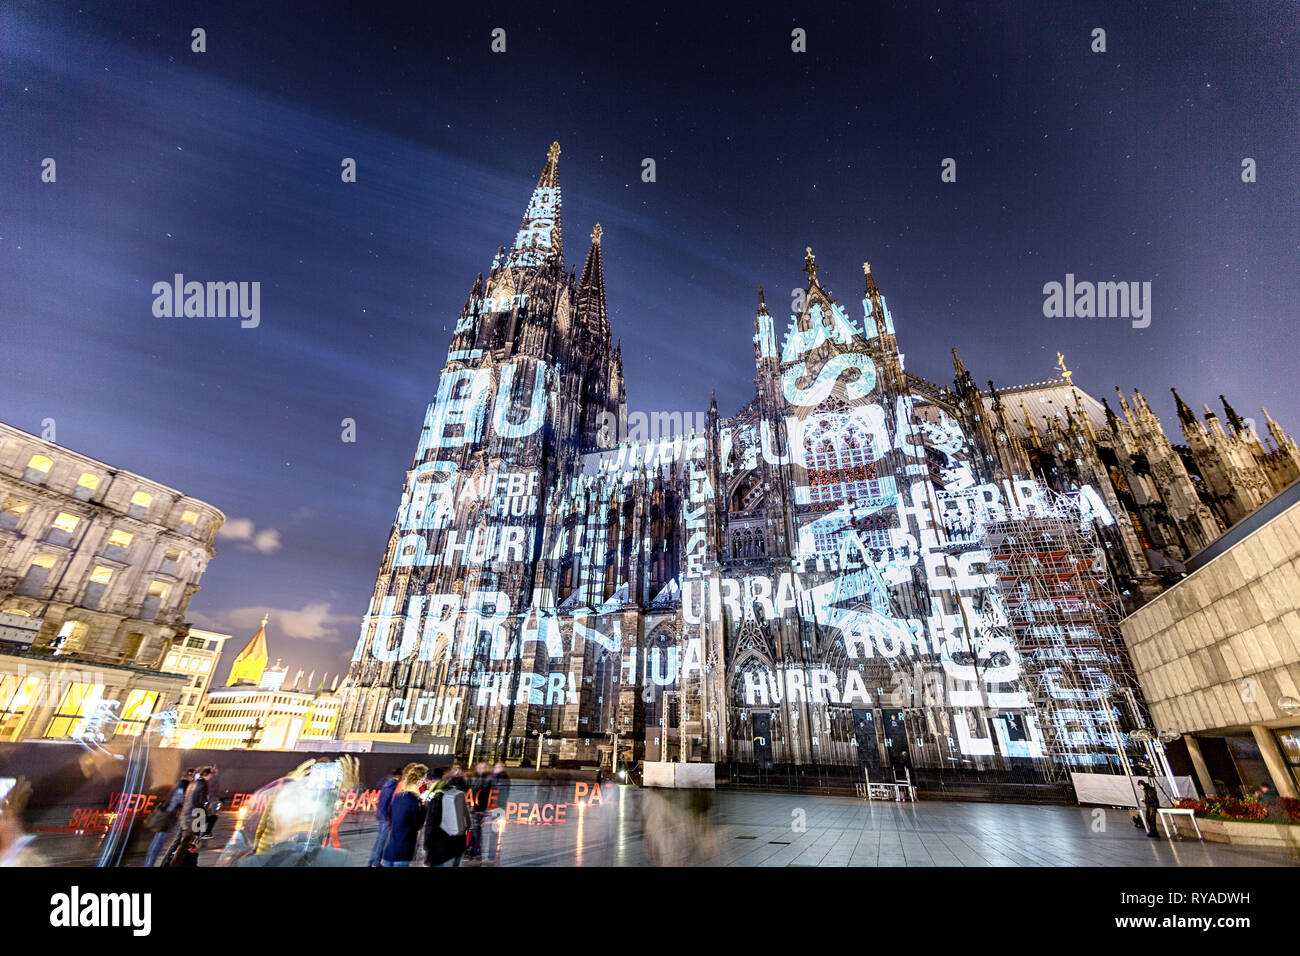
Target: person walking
406, 814
194, 820
498, 794
383, 811
164, 817
499, 791
446, 824
477, 800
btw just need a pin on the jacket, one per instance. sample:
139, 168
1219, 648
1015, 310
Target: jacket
498, 791
407, 814
439, 845
196, 798
164, 815
384, 807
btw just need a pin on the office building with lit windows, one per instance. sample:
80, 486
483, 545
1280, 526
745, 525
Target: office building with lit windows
97, 569
195, 655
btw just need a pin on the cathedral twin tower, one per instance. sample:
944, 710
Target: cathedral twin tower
771, 592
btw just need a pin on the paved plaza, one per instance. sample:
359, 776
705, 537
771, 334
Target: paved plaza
633, 827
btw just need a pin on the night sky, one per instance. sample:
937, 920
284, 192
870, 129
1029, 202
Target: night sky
225, 165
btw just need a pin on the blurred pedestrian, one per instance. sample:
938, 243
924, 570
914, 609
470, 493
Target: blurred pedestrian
15, 842
194, 821
383, 811
406, 814
299, 815
498, 794
162, 821
477, 800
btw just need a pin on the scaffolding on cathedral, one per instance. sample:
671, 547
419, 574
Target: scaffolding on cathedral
1063, 612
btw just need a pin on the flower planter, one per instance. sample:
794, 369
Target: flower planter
1242, 832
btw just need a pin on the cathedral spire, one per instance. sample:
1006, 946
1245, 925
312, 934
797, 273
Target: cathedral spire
810, 267
1031, 427
1234, 419
591, 289
1123, 406
872, 291
538, 241
1111, 419
1185, 414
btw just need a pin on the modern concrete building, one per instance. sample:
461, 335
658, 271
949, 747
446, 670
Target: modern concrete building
1218, 654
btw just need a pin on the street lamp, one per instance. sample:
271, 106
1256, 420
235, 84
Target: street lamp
542, 735
1155, 744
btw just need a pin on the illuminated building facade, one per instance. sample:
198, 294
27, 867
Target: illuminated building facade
860, 569
255, 711
195, 655
97, 569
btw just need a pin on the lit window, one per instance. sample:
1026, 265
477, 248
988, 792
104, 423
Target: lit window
79, 700
11, 514
140, 502
70, 637
120, 539
86, 486
16, 696
101, 575
139, 705
189, 517
45, 561
171, 561
41, 464
66, 522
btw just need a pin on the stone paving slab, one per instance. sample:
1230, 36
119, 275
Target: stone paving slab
772, 829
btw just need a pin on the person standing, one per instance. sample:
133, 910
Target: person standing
446, 824
383, 813
1150, 803
163, 819
498, 794
406, 814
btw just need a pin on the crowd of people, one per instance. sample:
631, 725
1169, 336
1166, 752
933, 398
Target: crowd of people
184, 820
436, 818
424, 817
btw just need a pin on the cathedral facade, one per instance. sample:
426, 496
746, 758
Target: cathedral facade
859, 571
